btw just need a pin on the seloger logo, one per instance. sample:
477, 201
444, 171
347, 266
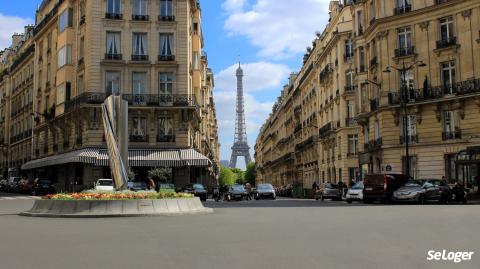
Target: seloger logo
455, 256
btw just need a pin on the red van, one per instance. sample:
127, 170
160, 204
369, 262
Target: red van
381, 186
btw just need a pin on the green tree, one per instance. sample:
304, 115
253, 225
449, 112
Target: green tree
161, 174
240, 175
250, 174
227, 177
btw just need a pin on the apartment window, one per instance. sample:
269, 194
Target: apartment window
366, 132
350, 109
165, 126
411, 132
409, 84
376, 126
404, 38
81, 49
60, 97
80, 85
450, 167
139, 127
450, 124
65, 56
165, 82
139, 83
196, 61
112, 83
48, 72
446, 28
403, 4
166, 8
166, 45
362, 59
49, 42
113, 43
140, 44
82, 9
348, 48
448, 76
349, 77
352, 144
140, 7
65, 20
113, 6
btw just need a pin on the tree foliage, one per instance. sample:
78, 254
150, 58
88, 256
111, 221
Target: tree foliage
227, 177
161, 174
250, 174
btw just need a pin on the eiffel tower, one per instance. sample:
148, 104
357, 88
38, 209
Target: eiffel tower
240, 146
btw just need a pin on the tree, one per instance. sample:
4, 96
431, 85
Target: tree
250, 174
160, 174
240, 175
227, 177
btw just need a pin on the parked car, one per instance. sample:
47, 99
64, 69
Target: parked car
104, 184
355, 193
137, 186
42, 186
167, 188
3, 185
196, 189
381, 186
329, 191
13, 184
236, 192
264, 191
421, 192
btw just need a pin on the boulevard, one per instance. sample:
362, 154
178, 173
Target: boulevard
282, 233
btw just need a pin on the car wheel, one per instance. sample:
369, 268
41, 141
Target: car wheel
349, 201
321, 197
421, 200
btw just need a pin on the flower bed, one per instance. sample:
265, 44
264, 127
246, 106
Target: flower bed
116, 196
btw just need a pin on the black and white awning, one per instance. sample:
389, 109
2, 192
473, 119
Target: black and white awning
87, 155
146, 158
192, 157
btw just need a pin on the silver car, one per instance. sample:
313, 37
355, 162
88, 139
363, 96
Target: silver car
418, 191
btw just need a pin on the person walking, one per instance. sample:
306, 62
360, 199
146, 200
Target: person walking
248, 188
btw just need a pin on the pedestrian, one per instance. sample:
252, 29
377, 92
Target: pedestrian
151, 184
314, 188
248, 189
477, 182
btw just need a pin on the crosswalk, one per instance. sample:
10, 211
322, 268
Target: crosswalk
10, 198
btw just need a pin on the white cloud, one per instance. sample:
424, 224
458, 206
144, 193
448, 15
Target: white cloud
280, 28
10, 25
258, 76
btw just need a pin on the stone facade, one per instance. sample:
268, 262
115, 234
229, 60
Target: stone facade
341, 116
150, 52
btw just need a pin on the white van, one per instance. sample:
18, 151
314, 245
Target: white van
104, 184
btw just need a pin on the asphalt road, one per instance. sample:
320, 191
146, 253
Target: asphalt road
255, 234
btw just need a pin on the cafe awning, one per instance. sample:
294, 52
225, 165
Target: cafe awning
87, 155
146, 158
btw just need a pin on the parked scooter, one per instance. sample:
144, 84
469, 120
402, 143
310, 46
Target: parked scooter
459, 194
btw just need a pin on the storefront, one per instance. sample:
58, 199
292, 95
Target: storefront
467, 166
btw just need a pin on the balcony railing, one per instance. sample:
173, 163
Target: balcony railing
139, 57
373, 144
325, 130
450, 135
351, 122
347, 56
165, 138
138, 138
326, 71
113, 16
82, 20
165, 58
166, 18
161, 100
113, 56
374, 104
140, 17
466, 87
405, 51
445, 43
402, 9
352, 155
412, 139
350, 89
373, 62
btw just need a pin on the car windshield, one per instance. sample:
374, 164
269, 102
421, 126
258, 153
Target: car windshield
358, 186
265, 187
198, 186
105, 182
238, 188
413, 183
331, 186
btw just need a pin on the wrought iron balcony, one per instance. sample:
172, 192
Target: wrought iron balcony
164, 58
165, 138
138, 138
412, 139
352, 155
373, 62
405, 51
140, 17
402, 9
348, 56
450, 135
326, 71
166, 18
161, 100
139, 57
445, 43
373, 145
113, 16
351, 122
325, 130
350, 89
113, 56
82, 20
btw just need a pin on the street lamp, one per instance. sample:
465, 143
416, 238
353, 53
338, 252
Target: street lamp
403, 102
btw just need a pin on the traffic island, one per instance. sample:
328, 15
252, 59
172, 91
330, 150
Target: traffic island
116, 205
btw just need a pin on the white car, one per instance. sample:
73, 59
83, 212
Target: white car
355, 193
104, 184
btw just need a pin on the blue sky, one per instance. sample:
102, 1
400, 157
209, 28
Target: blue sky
270, 36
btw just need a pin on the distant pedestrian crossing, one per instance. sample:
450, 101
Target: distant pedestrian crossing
10, 198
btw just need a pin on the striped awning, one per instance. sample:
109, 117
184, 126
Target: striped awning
146, 158
191, 157
87, 155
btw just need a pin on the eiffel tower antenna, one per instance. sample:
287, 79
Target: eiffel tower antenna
240, 146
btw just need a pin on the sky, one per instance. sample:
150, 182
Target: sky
269, 37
